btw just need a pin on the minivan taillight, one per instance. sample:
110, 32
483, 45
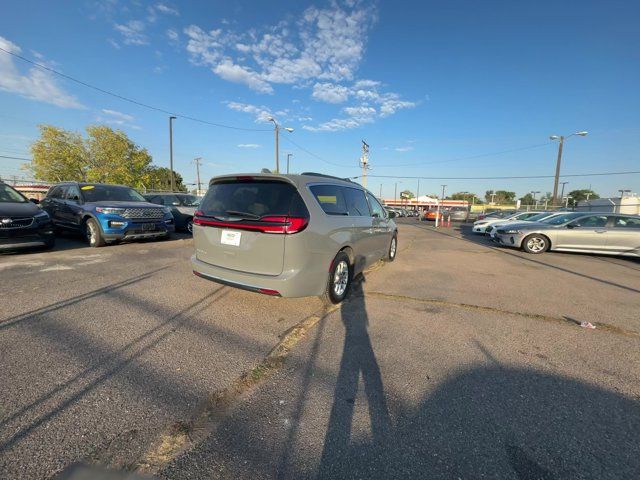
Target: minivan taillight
269, 224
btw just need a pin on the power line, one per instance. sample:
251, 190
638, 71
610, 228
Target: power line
130, 100
500, 178
16, 158
286, 138
471, 157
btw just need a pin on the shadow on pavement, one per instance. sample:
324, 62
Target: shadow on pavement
482, 421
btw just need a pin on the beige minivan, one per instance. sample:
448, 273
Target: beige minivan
290, 235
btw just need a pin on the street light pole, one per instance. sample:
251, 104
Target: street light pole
562, 194
395, 193
197, 162
561, 139
289, 155
277, 134
173, 180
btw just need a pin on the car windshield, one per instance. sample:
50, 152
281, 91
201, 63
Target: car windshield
110, 193
538, 217
9, 195
563, 218
189, 200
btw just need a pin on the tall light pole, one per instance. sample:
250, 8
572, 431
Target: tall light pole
562, 194
197, 161
380, 191
561, 139
535, 204
173, 180
438, 208
623, 191
289, 155
418, 198
277, 133
364, 162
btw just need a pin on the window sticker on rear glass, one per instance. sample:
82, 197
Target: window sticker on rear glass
87, 187
328, 199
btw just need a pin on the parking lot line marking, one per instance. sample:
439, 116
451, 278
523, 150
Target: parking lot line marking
56, 268
534, 316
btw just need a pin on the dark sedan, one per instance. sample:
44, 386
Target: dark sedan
182, 205
22, 223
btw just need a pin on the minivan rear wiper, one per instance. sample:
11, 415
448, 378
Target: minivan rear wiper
243, 214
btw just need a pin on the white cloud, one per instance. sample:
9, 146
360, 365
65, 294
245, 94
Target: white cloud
172, 35
36, 84
114, 117
324, 43
113, 43
164, 8
238, 74
132, 32
249, 145
261, 114
330, 92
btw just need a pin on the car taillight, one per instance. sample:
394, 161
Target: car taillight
274, 224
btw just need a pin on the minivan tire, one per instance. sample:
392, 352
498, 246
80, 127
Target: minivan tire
535, 244
393, 249
339, 280
93, 233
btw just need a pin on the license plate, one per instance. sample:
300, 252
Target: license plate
148, 226
230, 237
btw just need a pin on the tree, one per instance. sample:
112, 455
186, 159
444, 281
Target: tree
59, 155
407, 195
159, 178
500, 196
106, 155
468, 196
580, 195
527, 199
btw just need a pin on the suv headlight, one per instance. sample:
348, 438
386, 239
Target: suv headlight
110, 210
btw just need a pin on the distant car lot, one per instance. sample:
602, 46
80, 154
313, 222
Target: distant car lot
99, 362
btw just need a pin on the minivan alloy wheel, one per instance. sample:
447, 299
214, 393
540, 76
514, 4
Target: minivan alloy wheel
393, 247
341, 278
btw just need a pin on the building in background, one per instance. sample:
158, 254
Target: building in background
628, 204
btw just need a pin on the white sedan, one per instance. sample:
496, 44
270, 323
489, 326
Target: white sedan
480, 226
491, 229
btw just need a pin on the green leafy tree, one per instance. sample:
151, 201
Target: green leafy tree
59, 155
407, 194
472, 198
115, 158
527, 199
500, 196
580, 195
159, 178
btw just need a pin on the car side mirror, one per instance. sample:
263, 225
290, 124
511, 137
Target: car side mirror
572, 225
34, 200
392, 214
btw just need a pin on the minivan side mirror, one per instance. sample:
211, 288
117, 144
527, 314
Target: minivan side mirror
572, 225
34, 200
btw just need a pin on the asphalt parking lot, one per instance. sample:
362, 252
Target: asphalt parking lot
458, 360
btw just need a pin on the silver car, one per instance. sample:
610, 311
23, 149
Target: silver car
290, 235
609, 234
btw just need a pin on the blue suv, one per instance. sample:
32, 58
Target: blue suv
106, 213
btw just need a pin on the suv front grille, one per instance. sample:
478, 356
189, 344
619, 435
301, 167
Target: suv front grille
143, 213
22, 222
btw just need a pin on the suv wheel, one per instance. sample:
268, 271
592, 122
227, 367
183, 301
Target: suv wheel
535, 244
339, 279
190, 226
393, 249
93, 233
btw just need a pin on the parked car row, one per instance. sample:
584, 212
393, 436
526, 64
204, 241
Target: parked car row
100, 213
403, 212
455, 214
538, 232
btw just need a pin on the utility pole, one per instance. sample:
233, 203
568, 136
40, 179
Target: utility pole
277, 134
438, 208
562, 194
418, 198
173, 180
197, 161
380, 191
289, 155
561, 139
395, 194
364, 160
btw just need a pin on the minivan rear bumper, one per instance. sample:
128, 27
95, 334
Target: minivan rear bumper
305, 282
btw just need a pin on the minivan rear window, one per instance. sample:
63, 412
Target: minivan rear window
253, 198
330, 198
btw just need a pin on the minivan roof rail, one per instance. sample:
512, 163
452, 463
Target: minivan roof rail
326, 176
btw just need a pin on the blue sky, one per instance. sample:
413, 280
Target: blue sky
427, 84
